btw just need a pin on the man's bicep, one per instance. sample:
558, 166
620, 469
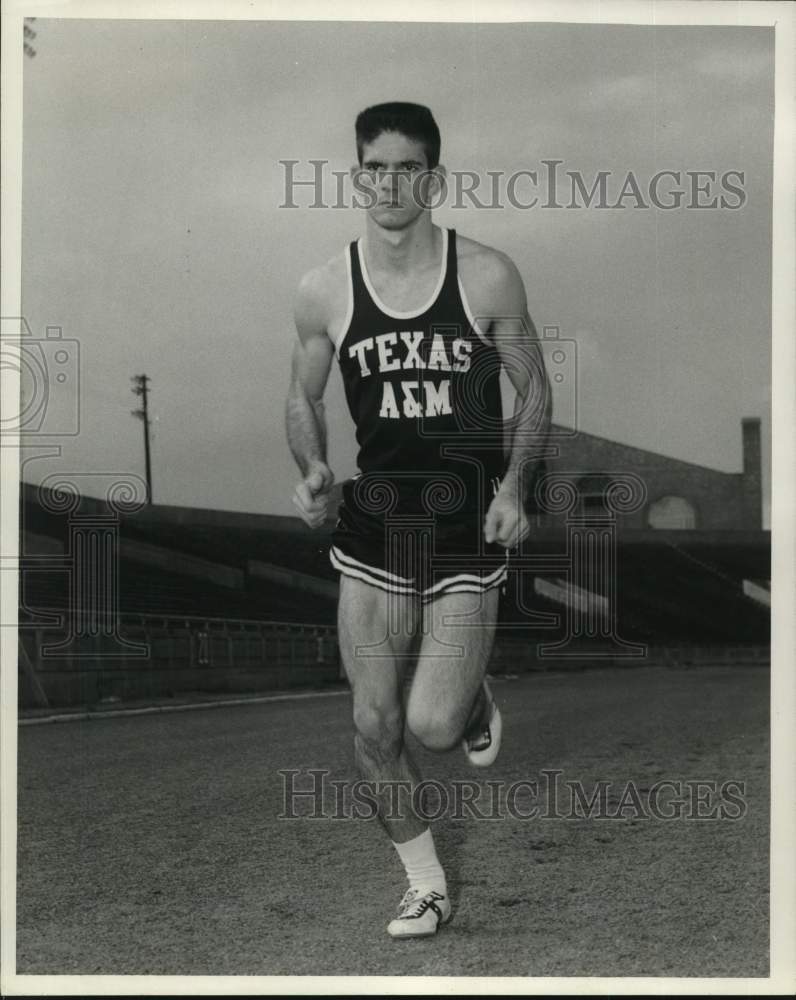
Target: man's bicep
312, 350
511, 327
518, 345
311, 364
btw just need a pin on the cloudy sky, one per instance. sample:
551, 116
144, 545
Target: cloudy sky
152, 232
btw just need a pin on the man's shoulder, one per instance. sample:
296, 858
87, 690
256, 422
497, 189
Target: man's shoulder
323, 283
484, 264
322, 295
489, 276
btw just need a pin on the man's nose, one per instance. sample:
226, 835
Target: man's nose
388, 180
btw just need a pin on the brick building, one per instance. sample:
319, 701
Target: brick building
679, 495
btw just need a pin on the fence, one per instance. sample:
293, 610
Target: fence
161, 655
156, 656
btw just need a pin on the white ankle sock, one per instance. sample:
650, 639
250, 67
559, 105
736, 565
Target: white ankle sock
420, 861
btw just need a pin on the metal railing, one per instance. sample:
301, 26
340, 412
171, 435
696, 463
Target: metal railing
174, 641
147, 654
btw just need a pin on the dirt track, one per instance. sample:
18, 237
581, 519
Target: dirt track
152, 844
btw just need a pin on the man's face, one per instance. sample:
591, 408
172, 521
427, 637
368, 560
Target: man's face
395, 169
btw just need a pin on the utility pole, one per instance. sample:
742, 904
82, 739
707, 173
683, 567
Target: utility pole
141, 388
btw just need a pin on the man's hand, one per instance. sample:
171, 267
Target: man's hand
505, 521
311, 496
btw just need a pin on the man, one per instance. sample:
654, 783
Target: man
421, 321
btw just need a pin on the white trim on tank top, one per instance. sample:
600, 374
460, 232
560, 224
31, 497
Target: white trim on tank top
338, 340
470, 318
394, 313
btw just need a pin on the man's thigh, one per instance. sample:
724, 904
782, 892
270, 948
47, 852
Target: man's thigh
458, 635
377, 635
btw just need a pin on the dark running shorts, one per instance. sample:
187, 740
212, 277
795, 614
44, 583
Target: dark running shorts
409, 551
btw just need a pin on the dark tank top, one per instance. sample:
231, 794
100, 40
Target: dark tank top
423, 389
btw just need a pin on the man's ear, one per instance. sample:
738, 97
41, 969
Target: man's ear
440, 178
440, 182
435, 186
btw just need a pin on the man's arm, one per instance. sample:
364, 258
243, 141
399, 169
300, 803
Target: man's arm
304, 419
517, 344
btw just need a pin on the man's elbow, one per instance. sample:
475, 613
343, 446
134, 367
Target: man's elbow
300, 395
293, 390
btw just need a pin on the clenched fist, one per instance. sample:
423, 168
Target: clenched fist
505, 521
311, 496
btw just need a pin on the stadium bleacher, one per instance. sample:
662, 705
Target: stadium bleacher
199, 566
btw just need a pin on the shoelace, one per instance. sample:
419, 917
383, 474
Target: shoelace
409, 896
414, 905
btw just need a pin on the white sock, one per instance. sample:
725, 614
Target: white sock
422, 866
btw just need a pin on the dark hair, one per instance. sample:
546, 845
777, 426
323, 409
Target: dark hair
412, 120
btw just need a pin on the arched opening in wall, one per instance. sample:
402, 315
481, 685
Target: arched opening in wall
672, 513
592, 489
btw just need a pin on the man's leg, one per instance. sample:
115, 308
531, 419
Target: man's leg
458, 634
377, 654
376, 633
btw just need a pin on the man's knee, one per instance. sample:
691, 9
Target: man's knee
434, 727
378, 727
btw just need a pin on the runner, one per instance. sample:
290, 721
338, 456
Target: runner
421, 321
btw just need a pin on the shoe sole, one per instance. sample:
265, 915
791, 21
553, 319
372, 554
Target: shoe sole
423, 934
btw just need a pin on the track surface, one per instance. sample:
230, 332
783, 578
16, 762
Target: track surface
151, 844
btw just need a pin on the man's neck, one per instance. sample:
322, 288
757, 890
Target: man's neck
402, 250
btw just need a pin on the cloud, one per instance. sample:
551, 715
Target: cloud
740, 65
631, 89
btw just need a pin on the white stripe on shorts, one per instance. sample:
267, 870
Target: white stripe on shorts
471, 583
